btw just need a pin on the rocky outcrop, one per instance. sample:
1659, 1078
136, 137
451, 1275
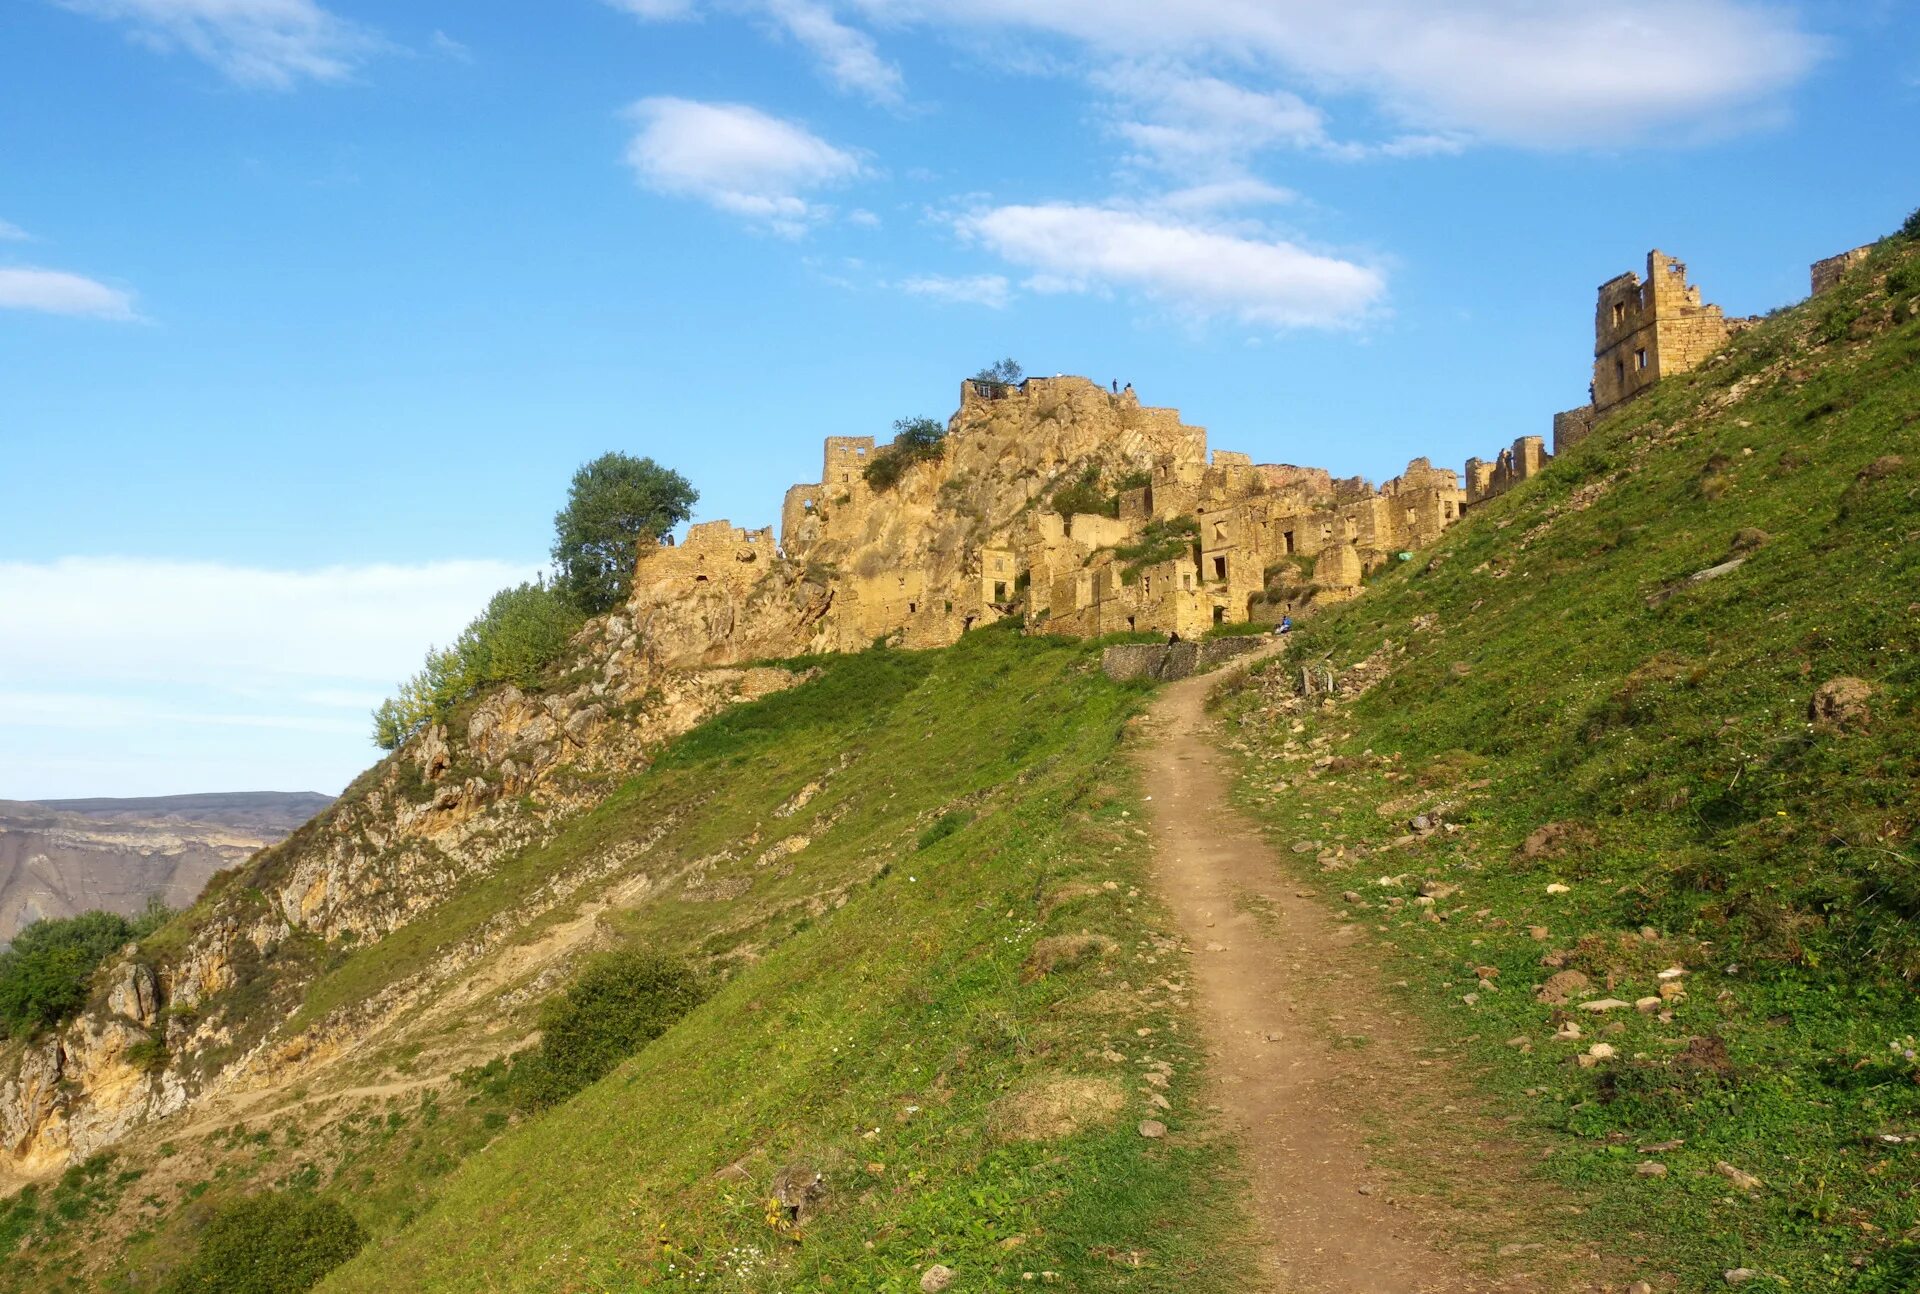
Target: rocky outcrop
444, 811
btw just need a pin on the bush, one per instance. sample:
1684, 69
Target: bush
44, 976
1912, 228
620, 1004
270, 1244
1083, 496
615, 502
915, 440
1160, 541
522, 631
943, 826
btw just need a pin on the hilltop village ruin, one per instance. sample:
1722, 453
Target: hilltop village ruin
1081, 511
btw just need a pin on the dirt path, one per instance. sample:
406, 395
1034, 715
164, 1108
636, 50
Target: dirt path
1329, 1224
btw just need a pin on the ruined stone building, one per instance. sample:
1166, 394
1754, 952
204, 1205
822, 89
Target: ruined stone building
1171, 539
1182, 540
1643, 330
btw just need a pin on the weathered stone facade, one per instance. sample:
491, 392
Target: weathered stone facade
1643, 330
1826, 273
973, 536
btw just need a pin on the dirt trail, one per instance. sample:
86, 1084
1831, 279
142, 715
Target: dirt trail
1274, 1072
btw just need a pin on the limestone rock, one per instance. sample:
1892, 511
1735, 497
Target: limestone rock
936, 1278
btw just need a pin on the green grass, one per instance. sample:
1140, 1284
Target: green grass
1567, 673
872, 1041
877, 999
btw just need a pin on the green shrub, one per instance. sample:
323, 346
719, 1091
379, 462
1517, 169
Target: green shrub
915, 440
1911, 229
273, 1243
620, 1004
522, 631
1161, 541
44, 976
1083, 496
943, 826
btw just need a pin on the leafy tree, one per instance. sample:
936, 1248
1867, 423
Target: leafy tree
614, 503
915, 440
523, 630
44, 976
620, 1004
1001, 373
1912, 228
272, 1243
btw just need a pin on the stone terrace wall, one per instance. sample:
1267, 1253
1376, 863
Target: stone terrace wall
1165, 662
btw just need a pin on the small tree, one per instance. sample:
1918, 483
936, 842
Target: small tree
1912, 228
1002, 373
523, 629
614, 503
44, 976
915, 440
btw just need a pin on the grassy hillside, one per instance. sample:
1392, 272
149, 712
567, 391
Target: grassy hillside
913, 880
1585, 652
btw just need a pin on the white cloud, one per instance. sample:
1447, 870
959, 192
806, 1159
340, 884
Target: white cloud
447, 47
122, 619
11, 233
269, 43
1532, 72
137, 676
58, 292
1195, 269
847, 57
1201, 124
989, 290
1220, 195
737, 159
655, 10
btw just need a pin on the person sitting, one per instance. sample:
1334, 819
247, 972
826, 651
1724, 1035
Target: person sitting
1284, 627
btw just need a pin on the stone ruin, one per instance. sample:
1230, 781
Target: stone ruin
1183, 540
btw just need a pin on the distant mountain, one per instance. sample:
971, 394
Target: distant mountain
61, 857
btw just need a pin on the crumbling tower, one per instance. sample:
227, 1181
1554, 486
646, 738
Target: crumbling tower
1644, 331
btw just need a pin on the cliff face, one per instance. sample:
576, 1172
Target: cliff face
220, 989
60, 858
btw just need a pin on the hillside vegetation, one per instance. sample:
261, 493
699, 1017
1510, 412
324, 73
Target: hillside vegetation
955, 1051
1658, 710
939, 1006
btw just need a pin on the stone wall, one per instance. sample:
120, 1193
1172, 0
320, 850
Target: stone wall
1572, 427
1830, 271
1165, 662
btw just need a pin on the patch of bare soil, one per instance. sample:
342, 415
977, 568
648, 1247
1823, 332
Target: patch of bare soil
1309, 1064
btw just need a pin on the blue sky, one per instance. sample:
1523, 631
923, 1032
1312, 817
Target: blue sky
308, 308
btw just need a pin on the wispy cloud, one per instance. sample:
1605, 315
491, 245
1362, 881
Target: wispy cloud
274, 44
1545, 75
60, 293
1194, 268
991, 290
738, 159
847, 57
11, 233
141, 676
656, 10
